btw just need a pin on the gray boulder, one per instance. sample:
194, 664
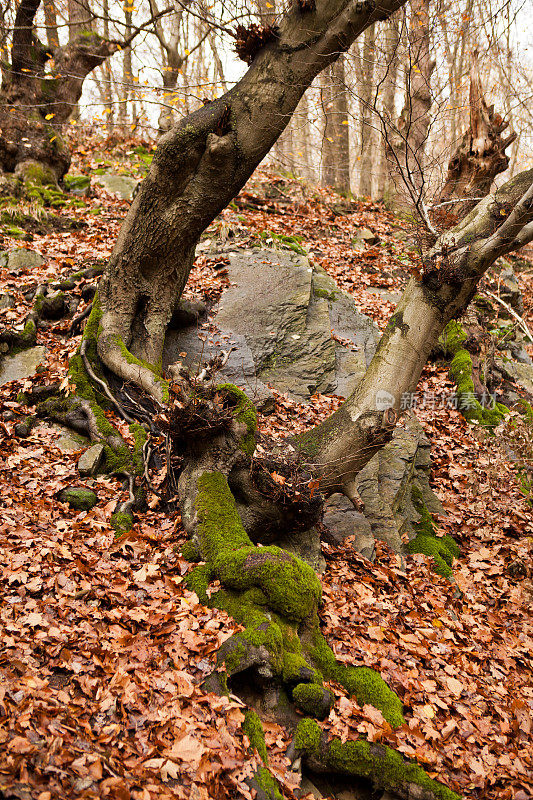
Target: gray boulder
279, 314
20, 260
120, 185
21, 365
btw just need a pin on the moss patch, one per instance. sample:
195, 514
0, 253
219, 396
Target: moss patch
366, 685
442, 549
254, 730
245, 412
471, 409
79, 498
121, 523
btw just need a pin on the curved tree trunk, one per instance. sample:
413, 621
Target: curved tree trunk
198, 167
35, 104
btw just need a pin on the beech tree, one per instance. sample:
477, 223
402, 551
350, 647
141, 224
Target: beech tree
234, 511
42, 85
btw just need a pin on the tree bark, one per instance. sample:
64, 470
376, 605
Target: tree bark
336, 136
407, 143
339, 447
35, 104
480, 156
366, 112
198, 167
392, 43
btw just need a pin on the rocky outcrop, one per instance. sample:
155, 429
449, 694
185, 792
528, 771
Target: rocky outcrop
284, 318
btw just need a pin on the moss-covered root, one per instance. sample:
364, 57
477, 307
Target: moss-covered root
245, 413
365, 684
471, 409
118, 456
443, 549
263, 781
386, 768
275, 596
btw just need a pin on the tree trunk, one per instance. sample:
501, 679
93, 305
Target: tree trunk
392, 43
480, 156
336, 135
198, 167
366, 105
34, 105
50, 20
407, 143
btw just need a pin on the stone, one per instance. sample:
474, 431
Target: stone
278, 315
78, 185
91, 459
20, 259
510, 290
78, 498
516, 371
7, 301
386, 483
68, 441
120, 185
343, 520
21, 365
367, 236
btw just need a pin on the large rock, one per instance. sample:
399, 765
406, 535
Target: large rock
388, 482
20, 260
120, 185
386, 486
281, 315
21, 365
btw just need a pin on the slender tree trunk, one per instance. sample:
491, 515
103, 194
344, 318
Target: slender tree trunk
392, 43
407, 144
34, 105
366, 105
336, 134
50, 20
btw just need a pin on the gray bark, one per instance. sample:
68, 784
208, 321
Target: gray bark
198, 167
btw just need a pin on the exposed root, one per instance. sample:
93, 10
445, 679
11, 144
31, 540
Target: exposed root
386, 768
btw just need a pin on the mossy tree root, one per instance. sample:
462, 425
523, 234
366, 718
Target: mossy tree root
385, 767
279, 662
461, 371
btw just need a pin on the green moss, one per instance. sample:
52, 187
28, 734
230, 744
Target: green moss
121, 523
266, 781
190, 552
38, 174
155, 368
383, 766
313, 700
471, 409
442, 549
139, 437
289, 584
452, 337
438, 549
75, 183
220, 528
254, 731
364, 683
307, 737
78, 498
198, 580
297, 669
245, 412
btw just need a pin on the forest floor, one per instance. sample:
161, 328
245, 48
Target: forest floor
104, 649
